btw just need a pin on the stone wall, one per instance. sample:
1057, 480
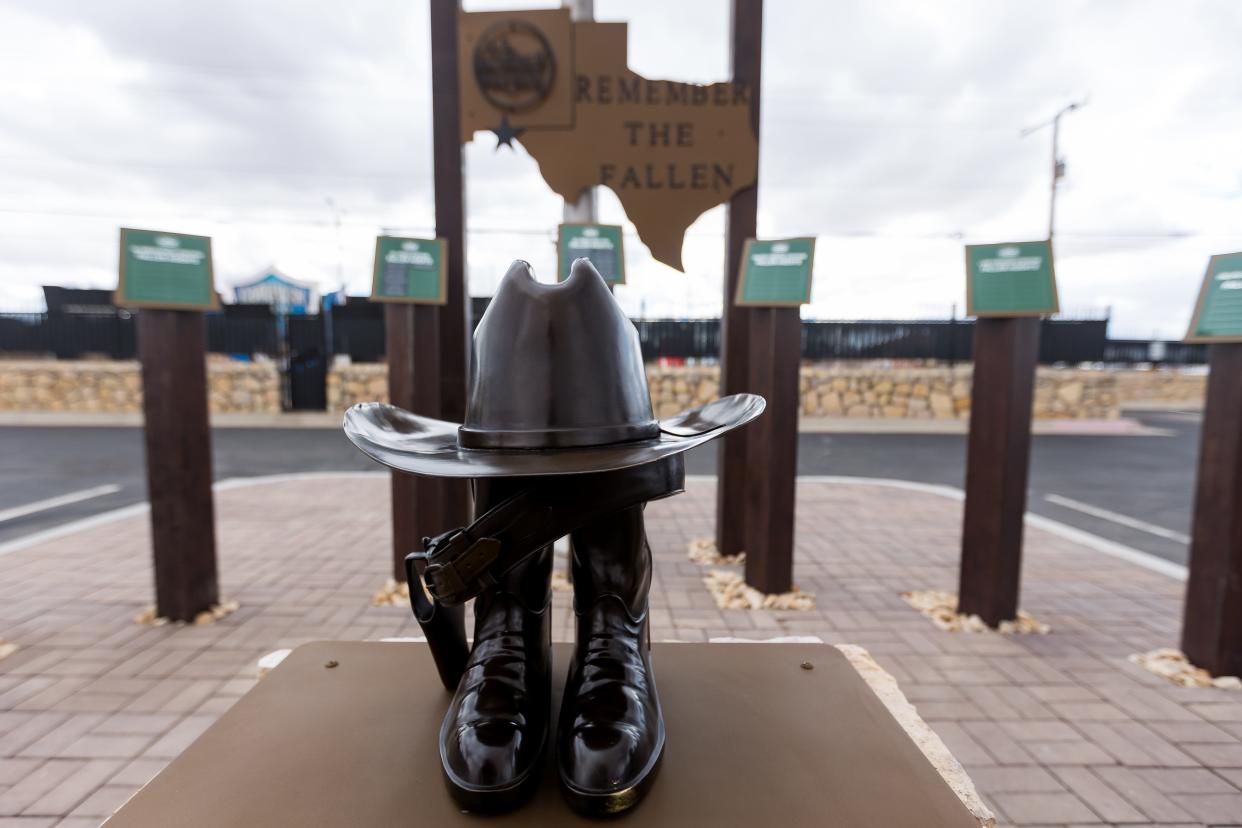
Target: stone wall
350, 383
103, 386
845, 389
862, 390
1169, 386
828, 390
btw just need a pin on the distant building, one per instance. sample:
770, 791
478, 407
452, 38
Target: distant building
283, 294
78, 301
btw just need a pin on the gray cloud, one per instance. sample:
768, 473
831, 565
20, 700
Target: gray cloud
888, 127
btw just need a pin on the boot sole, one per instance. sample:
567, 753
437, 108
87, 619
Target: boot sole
612, 803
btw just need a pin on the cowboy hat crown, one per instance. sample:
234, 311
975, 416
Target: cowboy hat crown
557, 386
556, 366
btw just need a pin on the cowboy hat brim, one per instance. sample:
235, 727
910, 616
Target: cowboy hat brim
426, 446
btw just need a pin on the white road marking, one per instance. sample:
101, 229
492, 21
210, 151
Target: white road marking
60, 500
1123, 520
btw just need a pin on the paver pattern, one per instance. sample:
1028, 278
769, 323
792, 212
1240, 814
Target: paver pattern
1055, 730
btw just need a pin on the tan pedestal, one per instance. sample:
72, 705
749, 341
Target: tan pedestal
754, 739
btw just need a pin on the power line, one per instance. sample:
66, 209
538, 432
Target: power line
550, 232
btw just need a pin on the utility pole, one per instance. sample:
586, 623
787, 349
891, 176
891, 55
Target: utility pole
584, 210
337, 212
1058, 163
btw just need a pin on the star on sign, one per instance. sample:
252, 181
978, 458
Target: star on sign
506, 132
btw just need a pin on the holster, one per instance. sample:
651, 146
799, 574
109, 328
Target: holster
460, 564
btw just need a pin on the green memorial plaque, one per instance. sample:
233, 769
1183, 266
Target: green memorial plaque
1011, 279
171, 271
410, 270
1218, 313
776, 273
601, 243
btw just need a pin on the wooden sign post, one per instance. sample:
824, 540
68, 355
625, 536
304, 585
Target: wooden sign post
449, 334
774, 283
409, 274
1008, 287
168, 277
1212, 624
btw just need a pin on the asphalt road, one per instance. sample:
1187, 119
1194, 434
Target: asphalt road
1133, 490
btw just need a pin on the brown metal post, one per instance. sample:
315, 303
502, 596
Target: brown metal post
172, 346
1212, 626
747, 53
997, 460
772, 448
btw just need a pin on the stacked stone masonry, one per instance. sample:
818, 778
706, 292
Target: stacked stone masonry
116, 387
828, 390
1162, 386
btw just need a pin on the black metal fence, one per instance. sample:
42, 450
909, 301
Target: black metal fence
67, 337
113, 336
943, 341
1155, 351
358, 331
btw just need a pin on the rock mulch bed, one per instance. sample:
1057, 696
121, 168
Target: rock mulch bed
1174, 666
703, 551
204, 618
941, 607
731, 591
392, 594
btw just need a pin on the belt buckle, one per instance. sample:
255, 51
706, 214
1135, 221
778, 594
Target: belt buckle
456, 565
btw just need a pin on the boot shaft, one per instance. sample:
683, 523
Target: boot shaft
611, 558
522, 596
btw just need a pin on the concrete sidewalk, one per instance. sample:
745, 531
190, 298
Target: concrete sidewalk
1055, 730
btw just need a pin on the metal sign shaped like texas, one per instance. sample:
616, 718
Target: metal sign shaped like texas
669, 150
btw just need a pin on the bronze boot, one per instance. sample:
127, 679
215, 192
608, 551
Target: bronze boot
495, 732
610, 736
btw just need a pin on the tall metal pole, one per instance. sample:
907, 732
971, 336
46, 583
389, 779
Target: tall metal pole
746, 42
427, 345
585, 210
1058, 165
1056, 175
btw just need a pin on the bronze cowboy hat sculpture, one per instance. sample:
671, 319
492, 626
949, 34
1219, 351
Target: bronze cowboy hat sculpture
559, 439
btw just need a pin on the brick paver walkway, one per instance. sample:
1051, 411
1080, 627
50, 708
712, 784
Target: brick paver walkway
1055, 730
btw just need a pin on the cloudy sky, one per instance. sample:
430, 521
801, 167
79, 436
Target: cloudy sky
890, 131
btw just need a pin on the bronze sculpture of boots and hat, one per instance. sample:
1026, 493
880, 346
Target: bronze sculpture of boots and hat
560, 439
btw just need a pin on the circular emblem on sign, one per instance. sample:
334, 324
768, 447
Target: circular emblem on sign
514, 66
